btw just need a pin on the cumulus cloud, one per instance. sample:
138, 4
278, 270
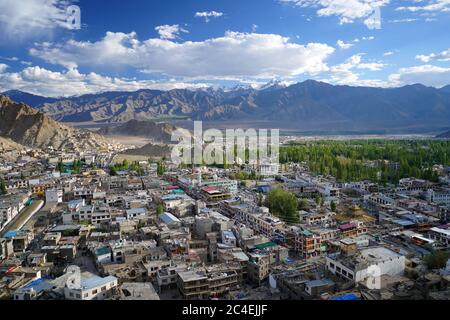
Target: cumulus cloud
343, 45
20, 19
207, 15
425, 74
442, 56
170, 32
41, 81
346, 72
233, 55
346, 10
3, 67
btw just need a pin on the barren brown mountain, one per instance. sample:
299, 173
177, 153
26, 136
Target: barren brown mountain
27, 126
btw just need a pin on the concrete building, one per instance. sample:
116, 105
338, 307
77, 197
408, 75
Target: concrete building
441, 235
86, 286
54, 196
355, 267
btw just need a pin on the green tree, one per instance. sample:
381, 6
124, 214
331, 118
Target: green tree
60, 167
319, 199
304, 205
283, 204
333, 206
3, 187
159, 209
112, 171
161, 169
436, 259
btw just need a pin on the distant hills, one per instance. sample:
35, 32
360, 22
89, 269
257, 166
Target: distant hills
310, 105
445, 135
150, 151
157, 132
26, 126
28, 98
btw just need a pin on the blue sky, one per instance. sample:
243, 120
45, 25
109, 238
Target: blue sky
134, 44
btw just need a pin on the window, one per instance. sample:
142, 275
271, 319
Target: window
103, 288
94, 291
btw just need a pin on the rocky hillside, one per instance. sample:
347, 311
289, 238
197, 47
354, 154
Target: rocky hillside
150, 151
157, 132
27, 126
10, 150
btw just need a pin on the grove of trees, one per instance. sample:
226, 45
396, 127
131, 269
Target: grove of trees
284, 205
383, 161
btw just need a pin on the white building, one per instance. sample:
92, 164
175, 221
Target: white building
53, 196
356, 267
136, 213
88, 286
228, 238
379, 199
442, 197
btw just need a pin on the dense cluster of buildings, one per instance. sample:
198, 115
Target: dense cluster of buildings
199, 234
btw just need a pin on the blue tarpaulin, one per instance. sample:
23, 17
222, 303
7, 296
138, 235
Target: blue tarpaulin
348, 297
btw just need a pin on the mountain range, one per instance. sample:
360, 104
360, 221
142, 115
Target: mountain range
309, 105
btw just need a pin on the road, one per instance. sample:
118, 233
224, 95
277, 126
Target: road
21, 219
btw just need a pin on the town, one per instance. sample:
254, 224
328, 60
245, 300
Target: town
79, 226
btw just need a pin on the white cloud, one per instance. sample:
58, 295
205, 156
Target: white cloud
442, 56
425, 74
232, 55
9, 58
20, 19
431, 6
347, 10
41, 81
403, 20
3, 67
388, 53
170, 32
344, 73
207, 15
343, 45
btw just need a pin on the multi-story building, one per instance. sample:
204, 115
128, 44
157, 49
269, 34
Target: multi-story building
88, 286
438, 197
441, 235
356, 267
193, 284
211, 281
307, 244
